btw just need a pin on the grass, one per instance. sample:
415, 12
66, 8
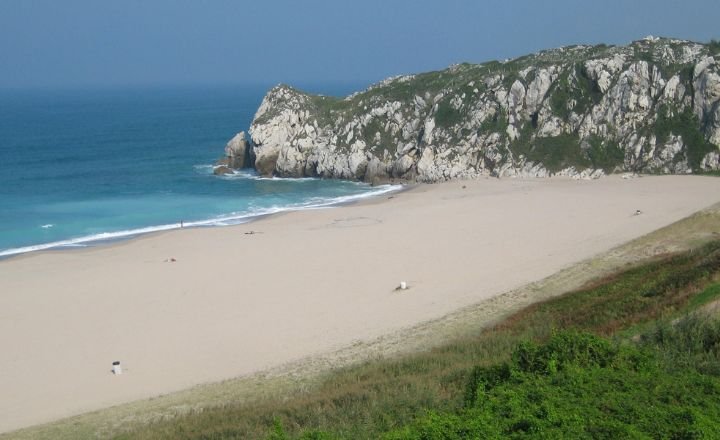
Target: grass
711, 293
393, 396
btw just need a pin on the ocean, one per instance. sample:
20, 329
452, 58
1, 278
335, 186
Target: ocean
81, 168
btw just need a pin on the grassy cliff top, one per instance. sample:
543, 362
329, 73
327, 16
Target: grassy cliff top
671, 56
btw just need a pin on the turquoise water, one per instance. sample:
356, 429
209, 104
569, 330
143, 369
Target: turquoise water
78, 168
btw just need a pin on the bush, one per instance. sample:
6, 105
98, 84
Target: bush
580, 386
605, 156
560, 95
558, 152
446, 115
714, 47
686, 125
692, 343
563, 350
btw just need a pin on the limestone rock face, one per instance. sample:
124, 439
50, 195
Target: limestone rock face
706, 81
237, 152
581, 112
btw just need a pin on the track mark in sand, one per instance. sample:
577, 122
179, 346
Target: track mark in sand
352, 222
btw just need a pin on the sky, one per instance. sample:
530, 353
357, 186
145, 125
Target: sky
101, 43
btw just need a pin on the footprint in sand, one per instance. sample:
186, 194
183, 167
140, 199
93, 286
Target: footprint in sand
351, 222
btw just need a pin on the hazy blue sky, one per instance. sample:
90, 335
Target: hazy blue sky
76, 43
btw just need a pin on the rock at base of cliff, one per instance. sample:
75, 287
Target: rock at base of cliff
265, 164
221, 170
237, 152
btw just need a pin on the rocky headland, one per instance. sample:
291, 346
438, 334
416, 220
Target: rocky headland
652, 106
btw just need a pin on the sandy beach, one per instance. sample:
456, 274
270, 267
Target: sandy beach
302, 283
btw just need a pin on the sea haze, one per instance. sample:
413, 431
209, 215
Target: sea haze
80, 167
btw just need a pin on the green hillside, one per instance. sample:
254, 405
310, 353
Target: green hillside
634, 355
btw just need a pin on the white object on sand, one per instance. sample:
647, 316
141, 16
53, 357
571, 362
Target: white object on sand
403, 285
117, 368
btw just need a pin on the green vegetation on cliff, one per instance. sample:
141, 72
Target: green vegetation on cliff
714, 47
566, 150
607, 361
686, 125
555, 153
573, 109
605, 155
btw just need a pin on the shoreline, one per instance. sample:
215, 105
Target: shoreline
112, 238
309, 282
309, 372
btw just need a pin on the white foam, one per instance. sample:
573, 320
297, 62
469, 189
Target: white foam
223, 220
204, 168
239, 174
80, 241
47, 226
289, 179
253, 175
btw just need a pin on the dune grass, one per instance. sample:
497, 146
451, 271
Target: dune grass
397, 395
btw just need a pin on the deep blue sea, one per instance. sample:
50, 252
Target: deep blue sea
79, 168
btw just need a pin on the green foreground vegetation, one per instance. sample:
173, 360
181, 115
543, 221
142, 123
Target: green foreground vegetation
633, 355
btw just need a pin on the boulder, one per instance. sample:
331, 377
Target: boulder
237, 152
265, 163
221, 170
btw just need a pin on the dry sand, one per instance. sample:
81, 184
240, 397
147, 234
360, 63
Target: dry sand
306, 283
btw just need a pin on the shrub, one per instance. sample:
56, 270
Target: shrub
581, 386
692, 343
558, 152
605, 156
714, 47
446, 115
686, 125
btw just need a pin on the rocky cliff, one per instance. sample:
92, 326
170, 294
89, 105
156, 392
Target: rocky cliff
652, 106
